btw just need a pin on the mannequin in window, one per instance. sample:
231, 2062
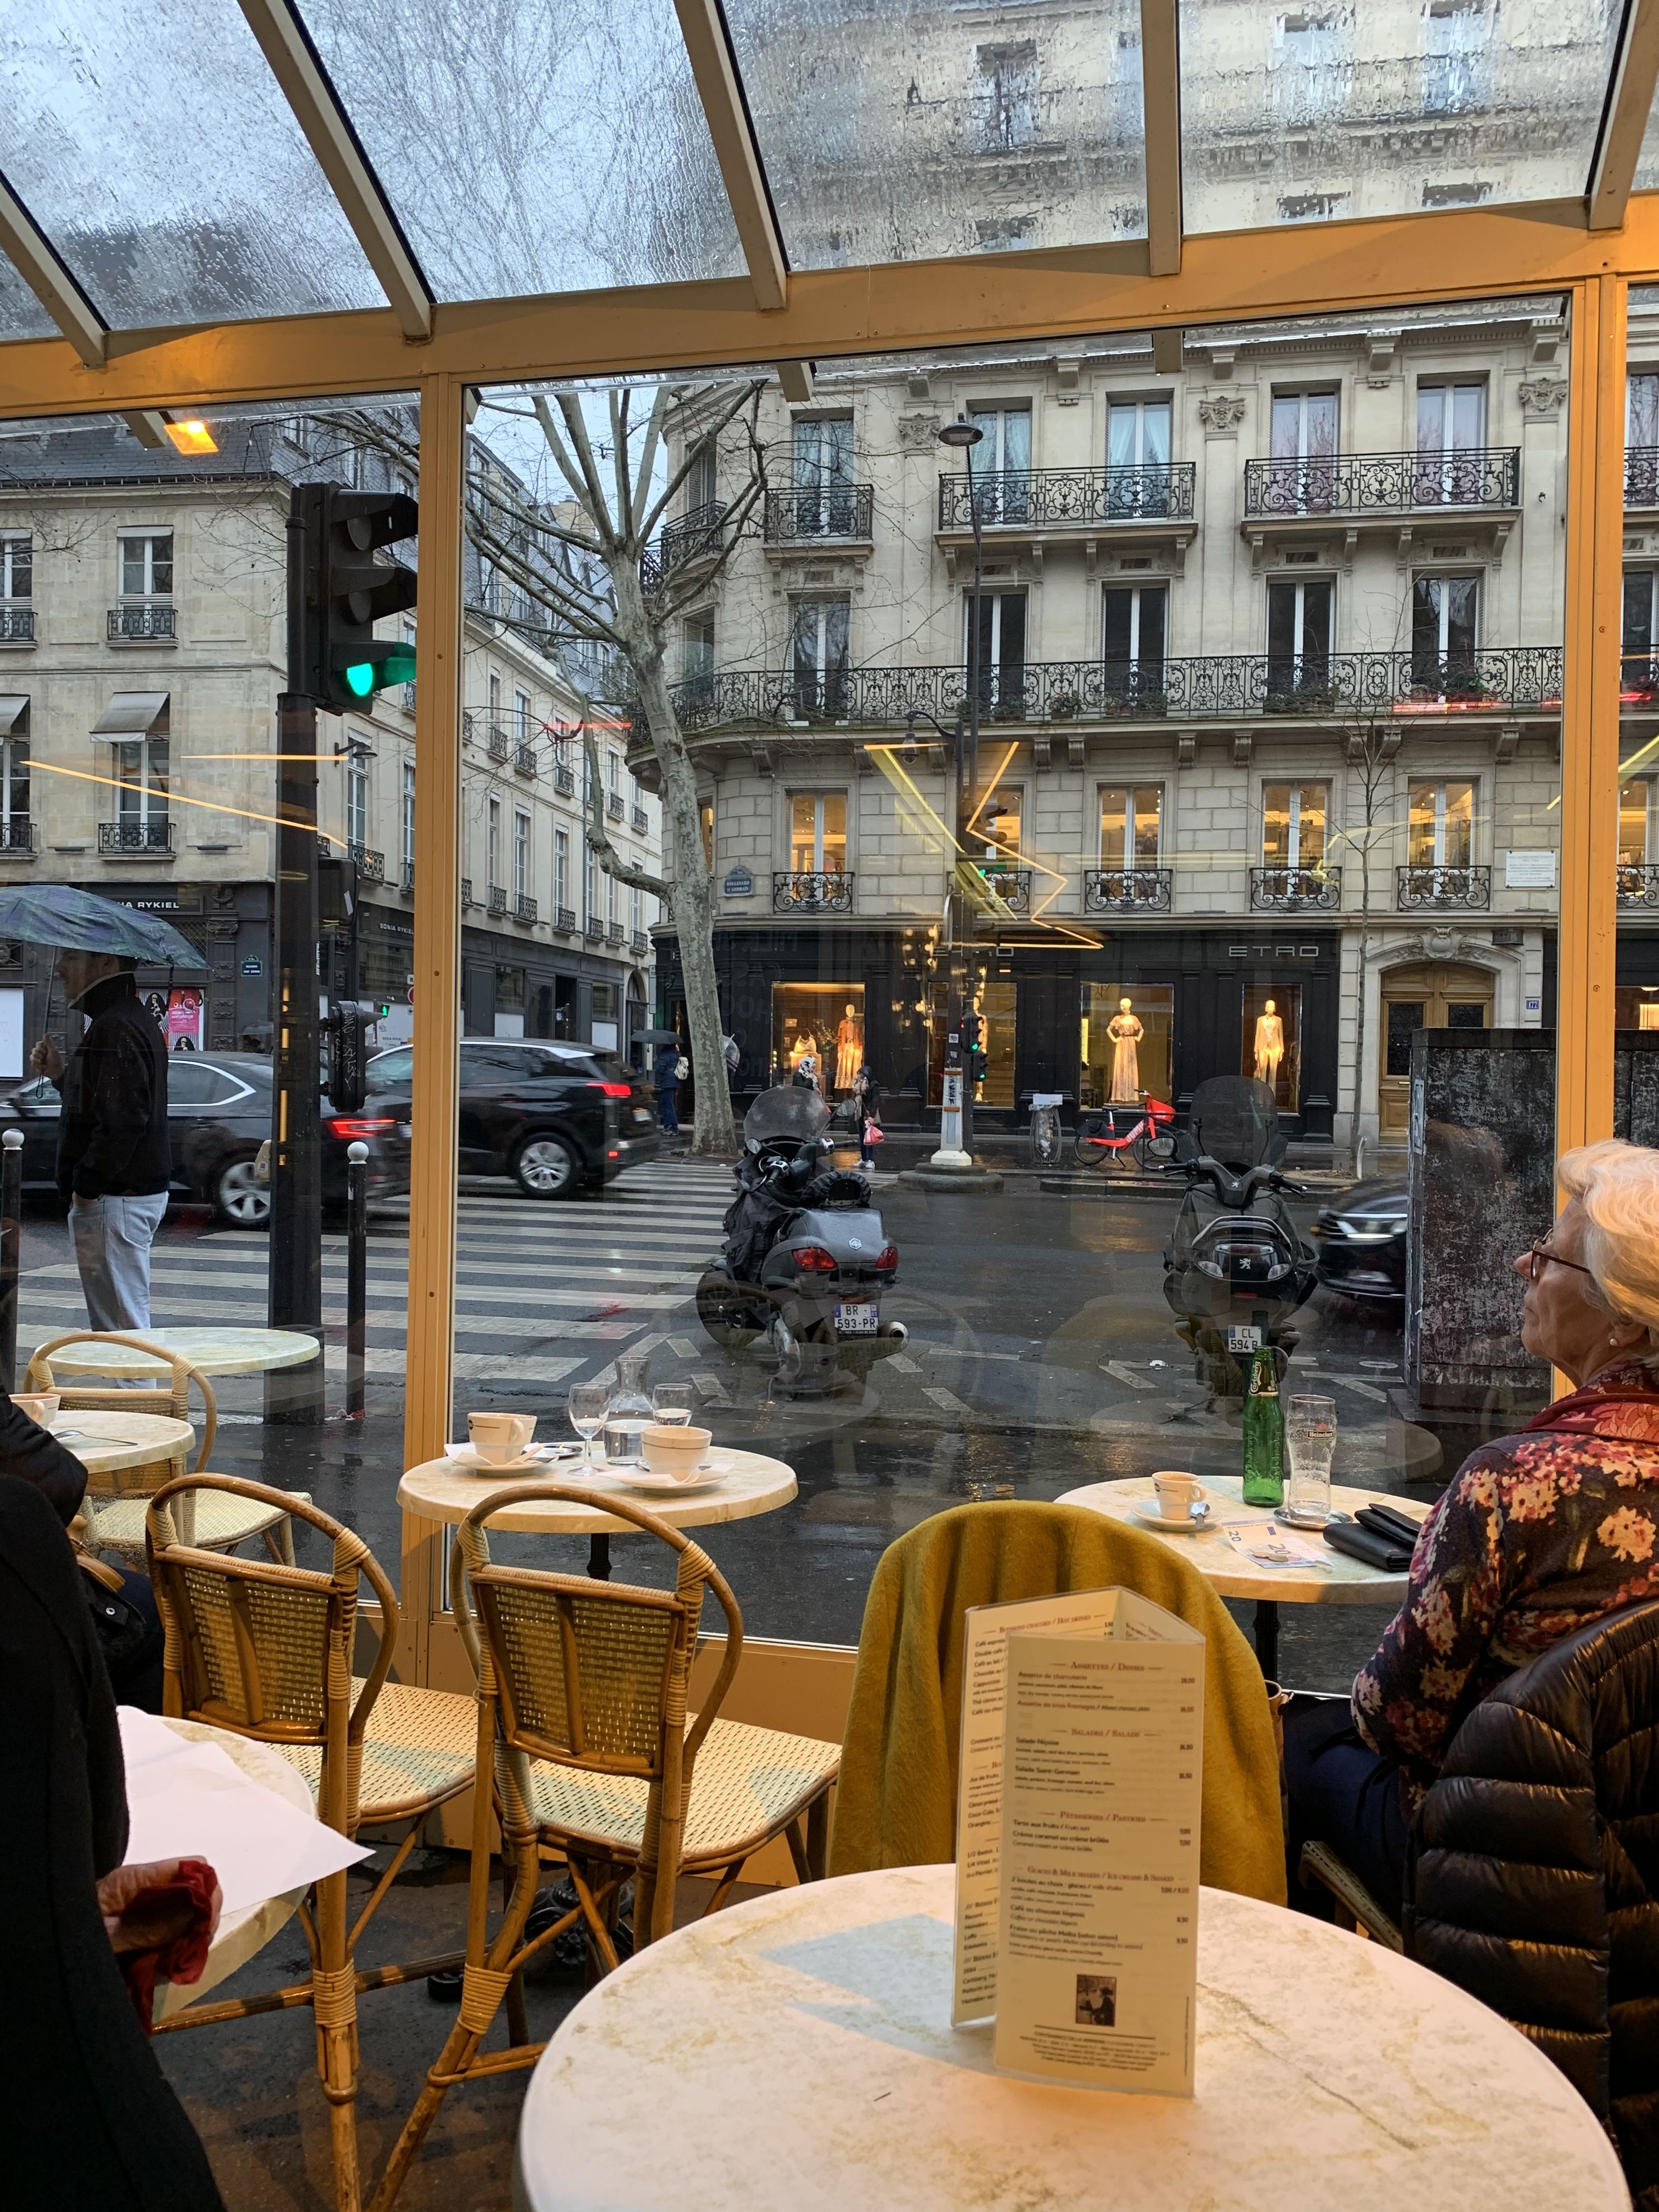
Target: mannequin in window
1126, 1030
849, 1049
1269, 1045
805, 1046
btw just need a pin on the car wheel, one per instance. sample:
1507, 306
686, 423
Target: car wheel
239, 1199
547, 1167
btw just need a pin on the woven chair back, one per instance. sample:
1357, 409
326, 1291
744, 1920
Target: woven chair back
171, 1398
266, 1649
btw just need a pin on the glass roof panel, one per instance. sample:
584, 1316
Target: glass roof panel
900, 129
22, 315
533, 148
1306, 114
154, 147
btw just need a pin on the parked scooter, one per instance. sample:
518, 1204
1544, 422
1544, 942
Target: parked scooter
805, 1258
1237, 1267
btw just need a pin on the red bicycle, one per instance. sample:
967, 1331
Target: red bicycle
1108, 1131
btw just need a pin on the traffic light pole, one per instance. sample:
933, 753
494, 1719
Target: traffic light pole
296, 1394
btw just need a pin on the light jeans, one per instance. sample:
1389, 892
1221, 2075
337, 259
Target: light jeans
112, 1237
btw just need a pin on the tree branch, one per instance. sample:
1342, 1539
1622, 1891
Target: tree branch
599, 838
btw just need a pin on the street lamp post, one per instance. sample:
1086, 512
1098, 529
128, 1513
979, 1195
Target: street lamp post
956, 1135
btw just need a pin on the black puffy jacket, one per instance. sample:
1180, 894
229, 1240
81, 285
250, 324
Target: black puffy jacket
1533, 1876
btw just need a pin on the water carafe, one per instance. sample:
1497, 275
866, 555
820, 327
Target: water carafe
629, 1415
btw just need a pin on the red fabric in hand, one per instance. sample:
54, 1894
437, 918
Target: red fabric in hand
184, 1958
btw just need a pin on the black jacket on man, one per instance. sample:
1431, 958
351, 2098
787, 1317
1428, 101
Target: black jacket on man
112, 1133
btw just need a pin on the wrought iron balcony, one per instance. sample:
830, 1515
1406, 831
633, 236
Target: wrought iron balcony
698, 536
812, 890
640, 819
614, 806
408, 877
1639, 884
1127, 890
564, 778
17, 838
1642, 475
1046, 498
467, 898
1518, 678
639, 942
141, 623
500, 745
1469, 888
152, 838
524, 908
1382, 484
369, 864
594, 929
498, 898
523, 760
564, 918
615, 933
819, 511
1295, 890
16, 625
1009, 888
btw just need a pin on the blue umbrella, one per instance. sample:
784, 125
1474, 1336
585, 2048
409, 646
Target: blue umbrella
81, 921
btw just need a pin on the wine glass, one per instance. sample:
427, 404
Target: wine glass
585, 1405
674, 1403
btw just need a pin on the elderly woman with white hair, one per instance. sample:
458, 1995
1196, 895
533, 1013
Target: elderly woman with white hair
1538, 1534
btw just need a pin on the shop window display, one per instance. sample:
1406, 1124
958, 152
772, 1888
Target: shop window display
818, 1029
1637, 1006
1126, 1041
1271, 1039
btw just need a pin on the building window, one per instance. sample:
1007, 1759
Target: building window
818, 632
702, 482
705, 824
141, 766
1138, 433
590, 888
1443, 621
493, 846
1639, 678
1642, 411
1008, 95
521, 717
15, 773
521, 854
635, 909
1313, 207
495, 690
1312, 73
1293, 817
609, 899
356, 796
1451, 419
1455, 34
1299, 637
1131, 825
1303, 442
16, 567
697, 650
824, 476
818, 831
616, 776
1001, 463
1441, 819
1134, 628
561, 869
408, 821
1001, 648
146, 565
993, 832
1636, 826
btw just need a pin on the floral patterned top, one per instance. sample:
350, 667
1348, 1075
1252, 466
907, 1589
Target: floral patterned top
1539, 1534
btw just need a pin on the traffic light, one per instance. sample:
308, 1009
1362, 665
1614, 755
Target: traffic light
972, 1027
338, 591
348, 1021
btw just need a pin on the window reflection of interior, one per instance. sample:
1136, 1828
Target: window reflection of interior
1293, 825
1442, 825
1131, 825
1152, 1005
817, 832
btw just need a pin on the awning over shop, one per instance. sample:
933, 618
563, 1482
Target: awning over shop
12, 704
130, 714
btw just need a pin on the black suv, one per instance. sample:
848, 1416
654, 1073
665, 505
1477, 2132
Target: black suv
559, 1118
218, 1116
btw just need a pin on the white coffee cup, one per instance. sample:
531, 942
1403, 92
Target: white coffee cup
41, 1406
1178, 1493
676, 1451
499, 1437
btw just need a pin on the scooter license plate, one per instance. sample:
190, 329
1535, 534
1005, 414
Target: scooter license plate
1243, 1336
855, 1320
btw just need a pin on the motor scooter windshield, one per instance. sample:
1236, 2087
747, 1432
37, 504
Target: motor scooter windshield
1235, 1119
790, 1112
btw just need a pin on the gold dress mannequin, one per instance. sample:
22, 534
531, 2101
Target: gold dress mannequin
1269, 1045
1126, 1030
850, 1048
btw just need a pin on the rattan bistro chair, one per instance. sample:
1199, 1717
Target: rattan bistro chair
583, 1688
115, 1508
265, 1649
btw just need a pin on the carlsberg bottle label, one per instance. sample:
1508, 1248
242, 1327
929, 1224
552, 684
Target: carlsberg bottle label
1264, 1434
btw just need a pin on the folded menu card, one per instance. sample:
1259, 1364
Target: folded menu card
1078, 1838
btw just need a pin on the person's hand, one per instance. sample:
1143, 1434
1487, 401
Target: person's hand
138, 1913
46, 1059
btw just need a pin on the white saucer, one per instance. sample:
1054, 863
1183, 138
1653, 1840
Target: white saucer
1149, 1517
468, 1457
664, 1484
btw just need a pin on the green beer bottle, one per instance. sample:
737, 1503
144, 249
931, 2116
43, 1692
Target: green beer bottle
1264, 1434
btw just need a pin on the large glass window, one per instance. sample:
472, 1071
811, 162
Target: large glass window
146, 564
1298, 639
1444, 611
1451, 425
818, 831
1441, 824
1127, 1044
818, 649
1293, 825
1138, 433
817, 1034
1639, 674
1303, 477
1131, 825
1001, 463
1001, 650
1270, 1040
1135, 624
16, 567
822, 504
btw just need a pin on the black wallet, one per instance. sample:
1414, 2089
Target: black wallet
1361, 1544
1387, 1522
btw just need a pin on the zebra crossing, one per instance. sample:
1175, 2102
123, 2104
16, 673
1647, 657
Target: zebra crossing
545, 1294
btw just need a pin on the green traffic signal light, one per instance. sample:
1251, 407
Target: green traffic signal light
383, 665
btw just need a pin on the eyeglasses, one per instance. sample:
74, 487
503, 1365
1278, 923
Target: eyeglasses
1540, 1256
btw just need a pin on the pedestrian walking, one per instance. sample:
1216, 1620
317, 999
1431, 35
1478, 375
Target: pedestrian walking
669, 1063
866, 1104
113, 1159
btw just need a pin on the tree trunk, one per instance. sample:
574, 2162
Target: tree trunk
692, 899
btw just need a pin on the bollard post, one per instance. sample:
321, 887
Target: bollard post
357, 1274
11, 1250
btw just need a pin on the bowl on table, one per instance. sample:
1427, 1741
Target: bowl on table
41, 1406
679, 1452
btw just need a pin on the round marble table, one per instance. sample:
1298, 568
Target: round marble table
107, 1443
242, 1934
1344, 1582
1330, 2074
215, 1351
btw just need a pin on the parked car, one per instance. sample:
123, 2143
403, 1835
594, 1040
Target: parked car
218, 1116
1360, 1238
559, 1118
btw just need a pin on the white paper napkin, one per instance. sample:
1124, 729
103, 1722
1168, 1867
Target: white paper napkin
191, 1801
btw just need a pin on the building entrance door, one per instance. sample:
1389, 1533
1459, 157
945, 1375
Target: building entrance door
1437, 994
